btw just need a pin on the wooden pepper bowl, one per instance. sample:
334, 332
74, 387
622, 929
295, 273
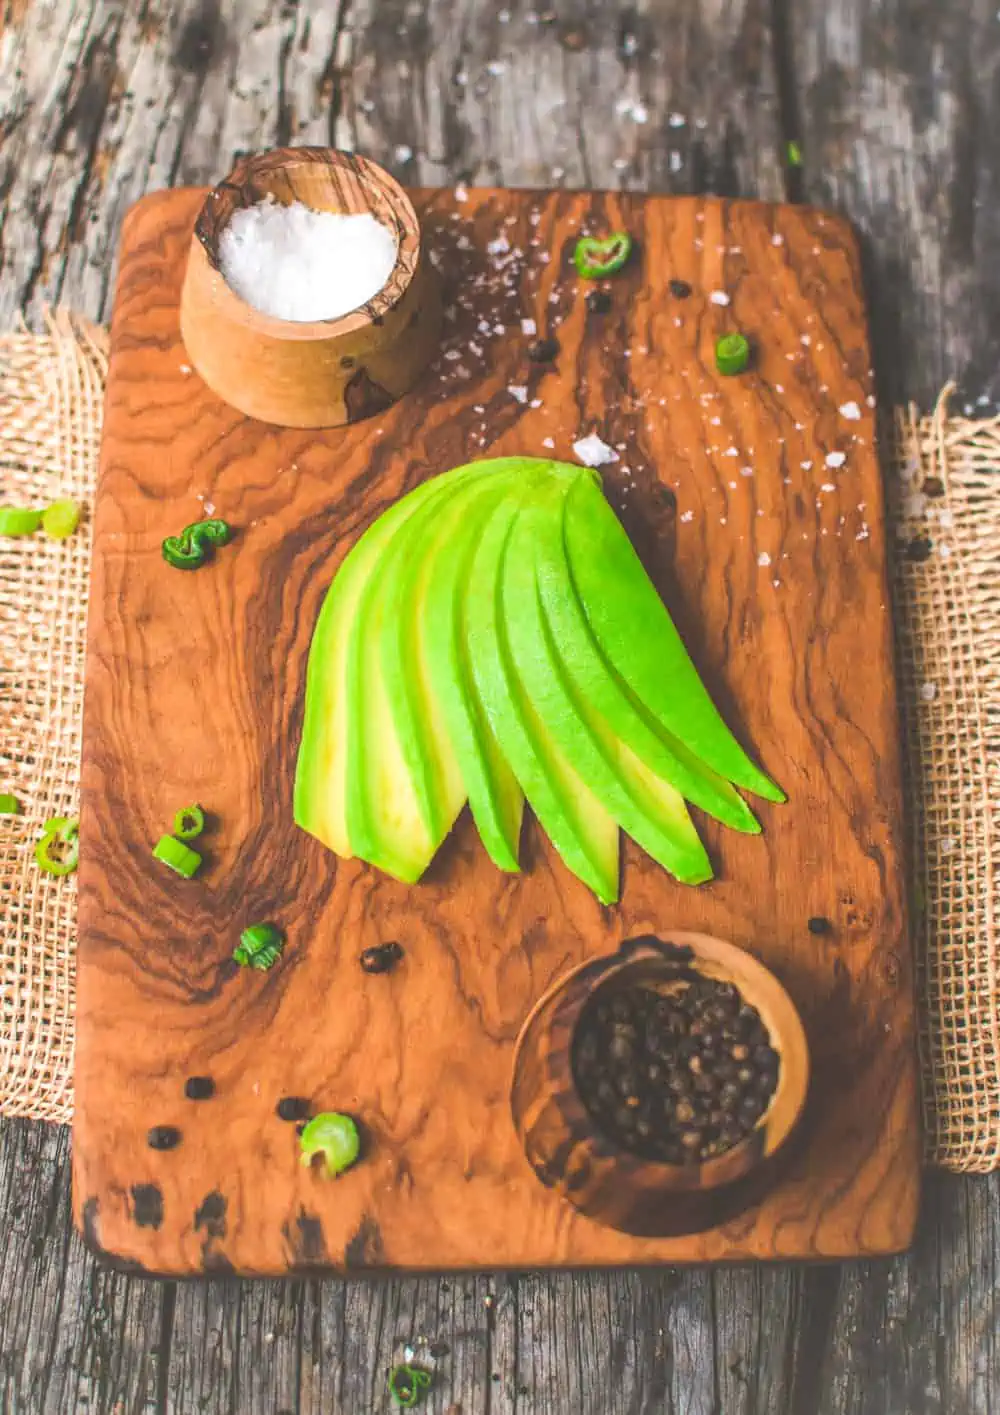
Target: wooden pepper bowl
324, 372
569, 1152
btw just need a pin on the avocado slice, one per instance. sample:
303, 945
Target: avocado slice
425, 744
495, 798
582, 831
403, 788
648, 808
593, 681
639, 639
320, 776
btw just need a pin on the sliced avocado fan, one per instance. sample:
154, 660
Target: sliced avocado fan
493, 639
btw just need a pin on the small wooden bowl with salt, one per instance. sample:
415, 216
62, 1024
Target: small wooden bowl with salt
308, 300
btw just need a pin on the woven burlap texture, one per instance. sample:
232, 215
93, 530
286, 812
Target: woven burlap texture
945, 503
945, 499
51, 388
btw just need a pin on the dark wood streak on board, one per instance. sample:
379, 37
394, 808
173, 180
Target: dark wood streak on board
765, 559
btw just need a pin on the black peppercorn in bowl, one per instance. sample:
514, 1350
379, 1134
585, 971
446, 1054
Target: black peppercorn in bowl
657, 1088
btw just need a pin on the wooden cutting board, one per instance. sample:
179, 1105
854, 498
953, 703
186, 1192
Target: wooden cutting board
756, 503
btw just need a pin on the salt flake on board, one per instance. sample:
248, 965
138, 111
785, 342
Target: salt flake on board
592, 451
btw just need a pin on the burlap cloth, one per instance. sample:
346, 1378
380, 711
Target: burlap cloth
944, 494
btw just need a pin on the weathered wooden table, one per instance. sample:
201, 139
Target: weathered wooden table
896, 104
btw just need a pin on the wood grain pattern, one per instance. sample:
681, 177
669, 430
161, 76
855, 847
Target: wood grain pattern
319, 373
195, 689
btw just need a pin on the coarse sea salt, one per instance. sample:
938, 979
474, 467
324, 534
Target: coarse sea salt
593, 452
295, 263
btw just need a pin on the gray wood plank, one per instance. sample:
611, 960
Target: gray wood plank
659, 95
899, 103
106, 101
73, 1336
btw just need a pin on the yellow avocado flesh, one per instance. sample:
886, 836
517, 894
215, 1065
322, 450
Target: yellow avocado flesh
403, 784
653, 660
581, 830
648, 808
595, 684
320, 777
424, 744
495, 798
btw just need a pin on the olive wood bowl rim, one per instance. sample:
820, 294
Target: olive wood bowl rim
787, 1035
247, 170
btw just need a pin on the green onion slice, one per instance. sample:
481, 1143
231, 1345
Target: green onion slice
177, 856
216, 531
58, 851
189, 822
407, 1384
19, 521
9, 804
194, 544
732, 353
61, 519
335, 1137
595, 258
259, 947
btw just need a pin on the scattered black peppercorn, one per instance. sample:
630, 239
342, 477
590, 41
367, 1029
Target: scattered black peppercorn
678, 1076
543, 351
293, 1108
199, 1088
680, 289
599, 302
382, 958
919, 549
163, 1137
819, 924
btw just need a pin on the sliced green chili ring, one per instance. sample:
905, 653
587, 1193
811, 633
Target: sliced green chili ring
732, 354
335, 1137
61, 519
595, 258
794, 153
189, 822
19, 521
58, 851
259, 947
9, 804
177, 856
